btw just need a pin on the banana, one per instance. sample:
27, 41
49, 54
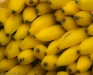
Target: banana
48, 62
42, 0
68, 56
3, 38
85, 73
71, 69
50, 33
51, 72
13, 49
21, 32
26, 57
7, 64
43, 8
37, 70
12, 24
86, 47
39, 51
83, 18
19, 70
2, 52
41, 22
62, 73
69, 23
16, 6
4, 15
29, 42
74, 36
54, 4
70, 8
29, 14
31, 2
83, 64
52, 48
58, 15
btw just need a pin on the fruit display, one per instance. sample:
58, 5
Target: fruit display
46, 37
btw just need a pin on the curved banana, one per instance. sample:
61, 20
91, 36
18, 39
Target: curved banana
62, 73
51, 72
31, 2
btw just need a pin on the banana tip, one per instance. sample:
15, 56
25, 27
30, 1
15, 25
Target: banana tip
69, 70
14, 12
78, 71
45, 64
7, 34
78, 51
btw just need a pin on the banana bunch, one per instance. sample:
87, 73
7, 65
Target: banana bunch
46, 37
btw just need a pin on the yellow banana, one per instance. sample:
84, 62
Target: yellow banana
76, 35
50, 33
69, 23
52, 48
19, 70
70, 8
2, 52
71, 69
68, 57
58, 15
85, 73
13, 49
29, 42
21, 32
83, 64
16, 6
43, 8
26, 57
42, 0
29, 14
7, 64
83, 18
4, 15
86, 47
37, 70
62, 73
3, 38
54, 4
39, 51
51, 72
31, 2
48, 62
41, 22
12, 24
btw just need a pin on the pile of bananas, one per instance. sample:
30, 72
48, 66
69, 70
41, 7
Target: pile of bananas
46, 37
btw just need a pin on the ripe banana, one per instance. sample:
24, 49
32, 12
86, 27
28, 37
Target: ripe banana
62, 73
48, 62
42, 0
71, 69
31, 2
69, 23
50, 33
37, 70
86, 47
68, 57
13, 49
83, 64
54, 4
83, 18
4, 15
7, 64
29, 42
16, 6
12, 24
29, 14
41, 22
51, 72
26, 57
70, 8
21, 32
2, 52
76, 35
20, 70
39, 51
43, 8
3, 38
58, 15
